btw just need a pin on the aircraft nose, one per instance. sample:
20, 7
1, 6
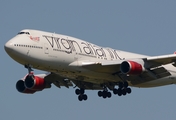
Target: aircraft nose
8, 47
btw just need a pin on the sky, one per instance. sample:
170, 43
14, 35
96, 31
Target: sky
141, 26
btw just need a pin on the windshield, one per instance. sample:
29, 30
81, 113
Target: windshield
23, 33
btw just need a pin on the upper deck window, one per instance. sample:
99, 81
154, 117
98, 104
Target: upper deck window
23, 33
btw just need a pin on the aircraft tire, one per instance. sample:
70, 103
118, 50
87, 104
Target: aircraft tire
115, 91
128, 90
104, 94
82, 91
84, 97
124, 92
119, 92
77, 91
100, 93
80, 98
109, 94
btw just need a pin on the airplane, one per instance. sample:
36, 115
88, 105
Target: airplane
72, 62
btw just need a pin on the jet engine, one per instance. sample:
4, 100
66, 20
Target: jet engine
31, 84
34, 82
131, 67
20, 86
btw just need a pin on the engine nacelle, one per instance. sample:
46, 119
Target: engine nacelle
20, 86
34, 82
131, 67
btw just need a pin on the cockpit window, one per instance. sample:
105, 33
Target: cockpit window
23, 33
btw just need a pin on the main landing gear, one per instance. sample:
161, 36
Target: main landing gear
81, 94
123, 89
105, 93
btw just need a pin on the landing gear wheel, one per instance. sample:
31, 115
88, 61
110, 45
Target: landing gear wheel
124, 92
80, 98
119, 92
82, 91
115, 91
77, 91
104, 94
109, 94
128, 90
84, 97
100, 93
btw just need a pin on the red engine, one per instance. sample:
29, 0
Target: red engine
20, 86
34, 82
31, 84
131, 67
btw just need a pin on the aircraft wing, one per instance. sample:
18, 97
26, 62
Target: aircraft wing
161, 60
154, 70
107, 66
58, 80
114, 66
153, 66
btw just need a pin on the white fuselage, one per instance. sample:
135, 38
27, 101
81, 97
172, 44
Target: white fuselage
61, 54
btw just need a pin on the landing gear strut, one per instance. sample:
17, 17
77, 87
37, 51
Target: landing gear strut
29, 67
81, 94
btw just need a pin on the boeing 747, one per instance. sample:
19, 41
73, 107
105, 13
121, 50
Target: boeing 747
72, 62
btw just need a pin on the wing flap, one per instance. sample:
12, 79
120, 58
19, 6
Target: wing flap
153, 74
160, 72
